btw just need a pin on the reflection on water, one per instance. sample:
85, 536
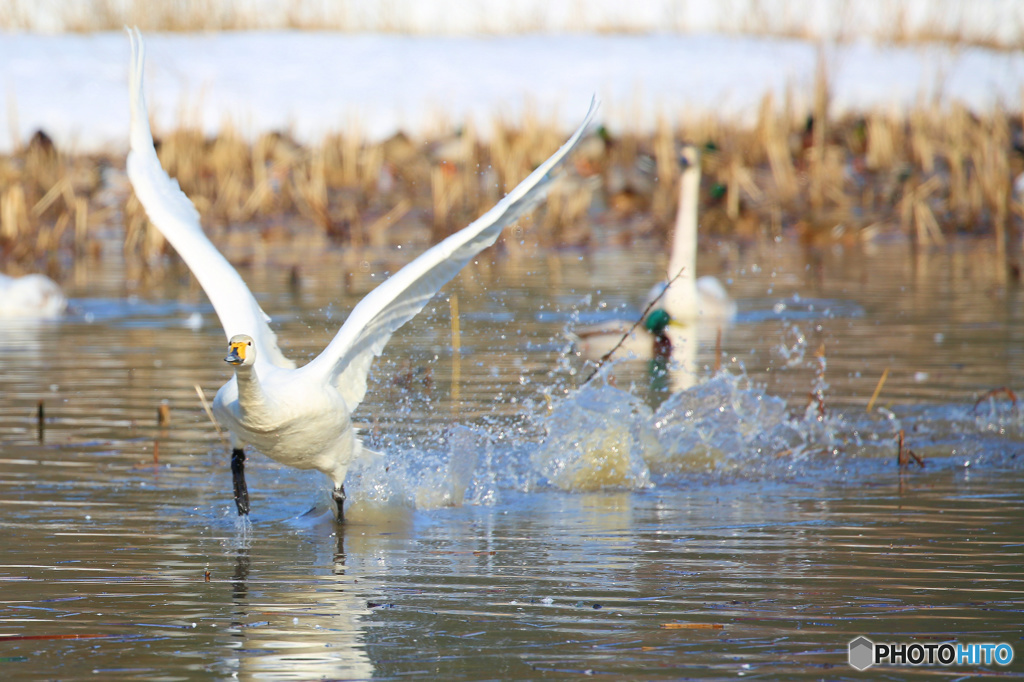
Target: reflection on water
308, 629
659, 524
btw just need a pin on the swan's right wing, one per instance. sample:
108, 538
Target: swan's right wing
370, 324
177, 219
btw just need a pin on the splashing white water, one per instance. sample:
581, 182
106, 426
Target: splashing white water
597, 438
600, 437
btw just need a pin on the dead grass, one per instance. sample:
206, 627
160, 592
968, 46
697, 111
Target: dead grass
47, 203
931, 174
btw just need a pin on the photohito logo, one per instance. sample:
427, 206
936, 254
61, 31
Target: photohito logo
863, 653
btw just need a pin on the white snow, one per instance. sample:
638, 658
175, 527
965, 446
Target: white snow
74, 86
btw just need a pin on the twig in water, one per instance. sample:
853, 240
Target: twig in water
209, 413
692, 626
904, 454
163, 413
718, 350
629, 332
994, 392
41, 418
878, 389
453, 302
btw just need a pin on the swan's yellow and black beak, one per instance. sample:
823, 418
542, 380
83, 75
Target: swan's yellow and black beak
236, 353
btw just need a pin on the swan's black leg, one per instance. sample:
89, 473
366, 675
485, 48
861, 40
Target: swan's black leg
339, 499
238, 475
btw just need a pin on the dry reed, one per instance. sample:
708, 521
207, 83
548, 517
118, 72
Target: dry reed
932, 173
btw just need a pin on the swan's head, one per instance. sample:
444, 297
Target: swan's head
241, 351
657, 321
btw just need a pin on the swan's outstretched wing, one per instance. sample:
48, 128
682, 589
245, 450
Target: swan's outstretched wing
177, 219
369, 326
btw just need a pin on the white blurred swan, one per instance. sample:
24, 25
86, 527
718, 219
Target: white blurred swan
302, 417
689, 298
689, 313
31, 297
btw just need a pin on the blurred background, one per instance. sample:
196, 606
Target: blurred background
387, 122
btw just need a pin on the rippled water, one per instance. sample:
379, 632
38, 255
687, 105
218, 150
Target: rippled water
650, 525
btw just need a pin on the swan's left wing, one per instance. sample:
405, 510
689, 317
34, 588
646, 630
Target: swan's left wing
177, 219
370, 324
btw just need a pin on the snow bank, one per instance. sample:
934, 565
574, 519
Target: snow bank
74, 86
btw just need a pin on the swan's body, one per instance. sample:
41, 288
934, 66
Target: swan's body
301, 417
304, 425
689, 298
31, 297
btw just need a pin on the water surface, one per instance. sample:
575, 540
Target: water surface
650, 526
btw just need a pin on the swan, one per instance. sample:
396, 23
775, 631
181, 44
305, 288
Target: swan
684, 311
301, 417
687, 297
31, 297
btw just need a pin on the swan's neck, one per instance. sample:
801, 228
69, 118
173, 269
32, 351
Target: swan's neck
250, 393
684, 241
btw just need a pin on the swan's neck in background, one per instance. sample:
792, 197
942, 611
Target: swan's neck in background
684, 241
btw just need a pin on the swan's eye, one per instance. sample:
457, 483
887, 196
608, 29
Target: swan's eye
248, 343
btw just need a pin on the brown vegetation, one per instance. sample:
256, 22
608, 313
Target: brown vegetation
929, 174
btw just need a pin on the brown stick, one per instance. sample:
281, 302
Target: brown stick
643, 315
453, 303
163, 414
905, 454
878, 389
994, 392
718, 350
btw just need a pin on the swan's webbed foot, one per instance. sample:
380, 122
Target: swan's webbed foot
238, 476
339, 500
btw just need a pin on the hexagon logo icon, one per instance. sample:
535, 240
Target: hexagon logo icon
862, 653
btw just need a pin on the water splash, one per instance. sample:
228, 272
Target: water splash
724, 425
793, 347
597, 438
600, 437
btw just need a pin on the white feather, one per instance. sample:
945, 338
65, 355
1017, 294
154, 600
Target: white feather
178, 220
302, 417
370, 324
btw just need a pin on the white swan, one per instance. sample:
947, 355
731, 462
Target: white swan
689, 312
32, 297
689, 298
302, 417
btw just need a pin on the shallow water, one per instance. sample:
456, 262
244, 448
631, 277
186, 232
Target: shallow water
672, 525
